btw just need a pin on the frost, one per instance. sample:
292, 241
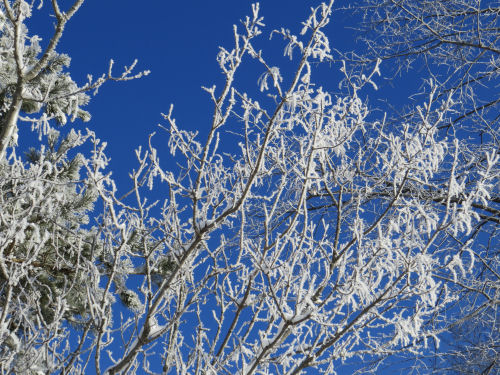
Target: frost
274, 73
296, 229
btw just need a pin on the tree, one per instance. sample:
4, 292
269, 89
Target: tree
327, 235
473, 345
455, 45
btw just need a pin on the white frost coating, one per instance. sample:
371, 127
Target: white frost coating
302, 229
155, 329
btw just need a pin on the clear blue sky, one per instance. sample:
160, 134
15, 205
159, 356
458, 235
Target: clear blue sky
178, 41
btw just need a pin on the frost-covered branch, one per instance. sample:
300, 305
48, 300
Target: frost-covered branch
326, 236
40, 85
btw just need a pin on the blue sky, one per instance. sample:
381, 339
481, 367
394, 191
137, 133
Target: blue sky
178, 43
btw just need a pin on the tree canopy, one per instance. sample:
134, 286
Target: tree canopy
308, 230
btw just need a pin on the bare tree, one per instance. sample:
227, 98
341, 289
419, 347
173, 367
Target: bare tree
327, 235
473, 346
456, 45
